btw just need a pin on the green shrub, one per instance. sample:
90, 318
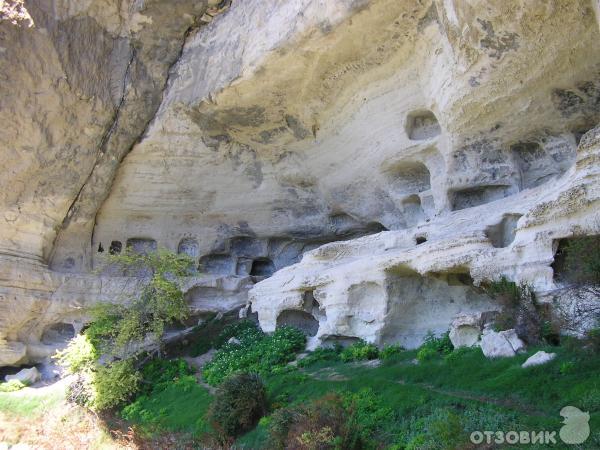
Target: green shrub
319, 424
520, 309
582, 260
592, 339
367, 415
426, 354
321, 354
240, 402
256, 352
459, 353
359, 351
115, 330
114, 384
441, 429
12, 386
79, 355
159, 373
389, 351
567, 367
242, 329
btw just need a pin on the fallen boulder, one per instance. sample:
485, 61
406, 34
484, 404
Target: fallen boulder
539, 358
25, 376
502, 344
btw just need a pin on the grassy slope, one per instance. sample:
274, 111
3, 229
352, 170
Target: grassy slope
496, 394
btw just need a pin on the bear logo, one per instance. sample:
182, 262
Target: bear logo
576, 428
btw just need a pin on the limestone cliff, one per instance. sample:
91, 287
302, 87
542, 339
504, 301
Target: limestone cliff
438, 139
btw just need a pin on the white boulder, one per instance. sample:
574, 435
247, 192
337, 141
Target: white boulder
25, 376
539, 358
465, 330
503, 344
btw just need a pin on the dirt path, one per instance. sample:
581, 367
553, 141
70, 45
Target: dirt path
198, 363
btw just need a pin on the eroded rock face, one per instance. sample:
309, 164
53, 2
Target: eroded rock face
248, 134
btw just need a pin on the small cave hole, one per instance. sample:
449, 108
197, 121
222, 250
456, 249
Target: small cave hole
262, 267
577, 260
58, 333
142, 245
502, 234
478, 195
413, 211
217, 264
189, 246
420, 240
422, 125
100, 248
115, 247
302, 320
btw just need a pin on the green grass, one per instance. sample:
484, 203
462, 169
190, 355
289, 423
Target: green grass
477, 393
180, 407
31, 402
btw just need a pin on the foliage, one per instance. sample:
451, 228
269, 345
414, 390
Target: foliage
12, 386
433, 346
79, 355
238, 405
359, 351
114, 384
321, 354
520, 309
425, 354
582, 260
236, 330
160, 300
319, 424
368, 416
116, 330
256, 352
177, 406
389, 351
511, 293
159, 373
592, 339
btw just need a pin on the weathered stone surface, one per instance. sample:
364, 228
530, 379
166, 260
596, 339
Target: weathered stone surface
465, 330
539, 358
500, 344
255, 137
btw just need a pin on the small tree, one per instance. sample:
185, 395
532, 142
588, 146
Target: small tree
107, 356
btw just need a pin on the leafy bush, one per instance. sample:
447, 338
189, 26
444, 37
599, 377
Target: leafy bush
442, 429
243, 328
12, 386
79, 355
159, 373
359, 351
256, 352
520, 309
367, 415
321, 354
426, 354
442, 344
582, 260
160, 300
238, 405
116, 330
389, 351
319, 424
114, 384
